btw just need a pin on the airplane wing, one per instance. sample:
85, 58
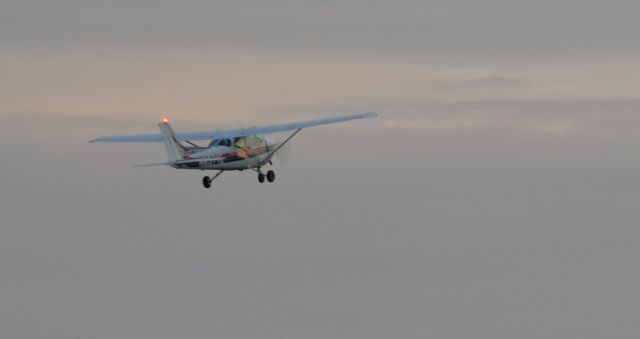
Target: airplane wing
232, 133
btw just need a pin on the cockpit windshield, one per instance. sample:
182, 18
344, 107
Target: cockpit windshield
248, 141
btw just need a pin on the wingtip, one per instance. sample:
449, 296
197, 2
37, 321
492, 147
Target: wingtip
370, 115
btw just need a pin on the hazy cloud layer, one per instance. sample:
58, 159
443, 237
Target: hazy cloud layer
450, 32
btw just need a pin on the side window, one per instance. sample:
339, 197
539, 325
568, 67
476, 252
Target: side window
240, 142
251, 141
225, 142
247, 142
254, 141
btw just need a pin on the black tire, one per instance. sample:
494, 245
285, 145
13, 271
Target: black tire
206, 182
271, 176
260, 177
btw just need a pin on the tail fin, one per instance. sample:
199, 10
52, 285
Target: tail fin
175, 151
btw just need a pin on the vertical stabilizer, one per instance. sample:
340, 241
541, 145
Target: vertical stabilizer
175, 151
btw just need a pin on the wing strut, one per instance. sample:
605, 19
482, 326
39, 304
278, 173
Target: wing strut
267, 159
206, 181
215, 176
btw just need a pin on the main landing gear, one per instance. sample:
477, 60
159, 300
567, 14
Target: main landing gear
271, 176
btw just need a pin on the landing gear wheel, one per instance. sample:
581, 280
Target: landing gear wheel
260, 177
206, 182
271, 176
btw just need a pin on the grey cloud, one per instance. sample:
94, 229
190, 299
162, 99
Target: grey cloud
582, 118
577, 108
494, 81
458, 32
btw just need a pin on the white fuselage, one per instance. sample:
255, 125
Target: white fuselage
238, 154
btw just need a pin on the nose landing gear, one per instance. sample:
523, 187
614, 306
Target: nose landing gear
206, 182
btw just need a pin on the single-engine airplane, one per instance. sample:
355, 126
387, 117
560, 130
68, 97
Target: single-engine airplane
228, 150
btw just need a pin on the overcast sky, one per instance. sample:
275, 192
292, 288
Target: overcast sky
496, 195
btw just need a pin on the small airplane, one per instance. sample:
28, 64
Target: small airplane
228, 150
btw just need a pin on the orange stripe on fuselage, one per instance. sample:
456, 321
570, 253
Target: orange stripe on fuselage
246, 154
